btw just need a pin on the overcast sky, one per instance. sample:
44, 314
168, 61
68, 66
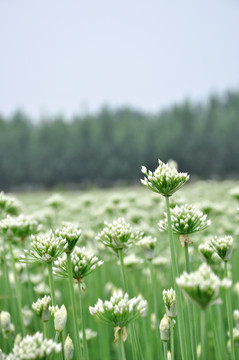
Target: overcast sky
76, 55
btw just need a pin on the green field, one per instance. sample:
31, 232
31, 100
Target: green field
142, 209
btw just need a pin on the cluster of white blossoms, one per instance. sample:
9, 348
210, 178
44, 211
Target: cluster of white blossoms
201, 286
148, 243
186, 220
8, 205
169, 298
165, 180
118, 235
119, 310
56, 201
70, 234
5, 323
223, 247
207, 252
164, 328
83, 263
34, 347
41, 307
19, 227
45, 247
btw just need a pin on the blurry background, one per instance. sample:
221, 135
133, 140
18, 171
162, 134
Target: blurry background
92, 90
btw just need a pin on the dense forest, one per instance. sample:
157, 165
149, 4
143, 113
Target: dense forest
108, 148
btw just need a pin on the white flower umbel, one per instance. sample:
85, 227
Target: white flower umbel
45, 247
70, 234
201, 286
148, 243
207, 251
41, 307
236, 317
8, 205
34, 347
186, 220
19, 227
223, 247
165, 180
118, 235
119, 311
55, 201
83, 263
169, 298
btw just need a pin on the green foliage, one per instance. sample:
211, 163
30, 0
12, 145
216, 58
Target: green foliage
109, 147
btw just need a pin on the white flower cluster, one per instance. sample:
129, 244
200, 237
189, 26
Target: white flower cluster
8, 205
56, 201
119, 310
19, 227
164, 328
223, 247
186, 219
41, 307
34, 347
83, 263
169, 298
70, 234
236, 317
148, 243
118, 235
207, 252
201, 286
165, 180
46, 247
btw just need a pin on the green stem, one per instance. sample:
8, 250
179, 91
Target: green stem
17, 287
190, 309
121, 342
73, 305
165, 350
154, 290
51, 283
125, 286
45, 329
85, 348
217, 345
229, 313
176, 274
203, 342
62, 345
172, 338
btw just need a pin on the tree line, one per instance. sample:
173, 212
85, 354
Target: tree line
108, 148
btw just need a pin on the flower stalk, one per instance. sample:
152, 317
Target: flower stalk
229, 312
73, 304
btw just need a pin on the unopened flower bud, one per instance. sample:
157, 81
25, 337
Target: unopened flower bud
164, 328
68, 348
60, 317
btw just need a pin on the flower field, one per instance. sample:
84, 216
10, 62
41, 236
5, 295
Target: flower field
123, 273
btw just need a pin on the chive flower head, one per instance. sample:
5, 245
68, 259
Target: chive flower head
8, 205
147, 243
34, 347
45, 247
169, 298
165, 180
83, 263
186, 220
19, 227
223, 247
119, 311
118, 235
201, 286
41, 307
70, 234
